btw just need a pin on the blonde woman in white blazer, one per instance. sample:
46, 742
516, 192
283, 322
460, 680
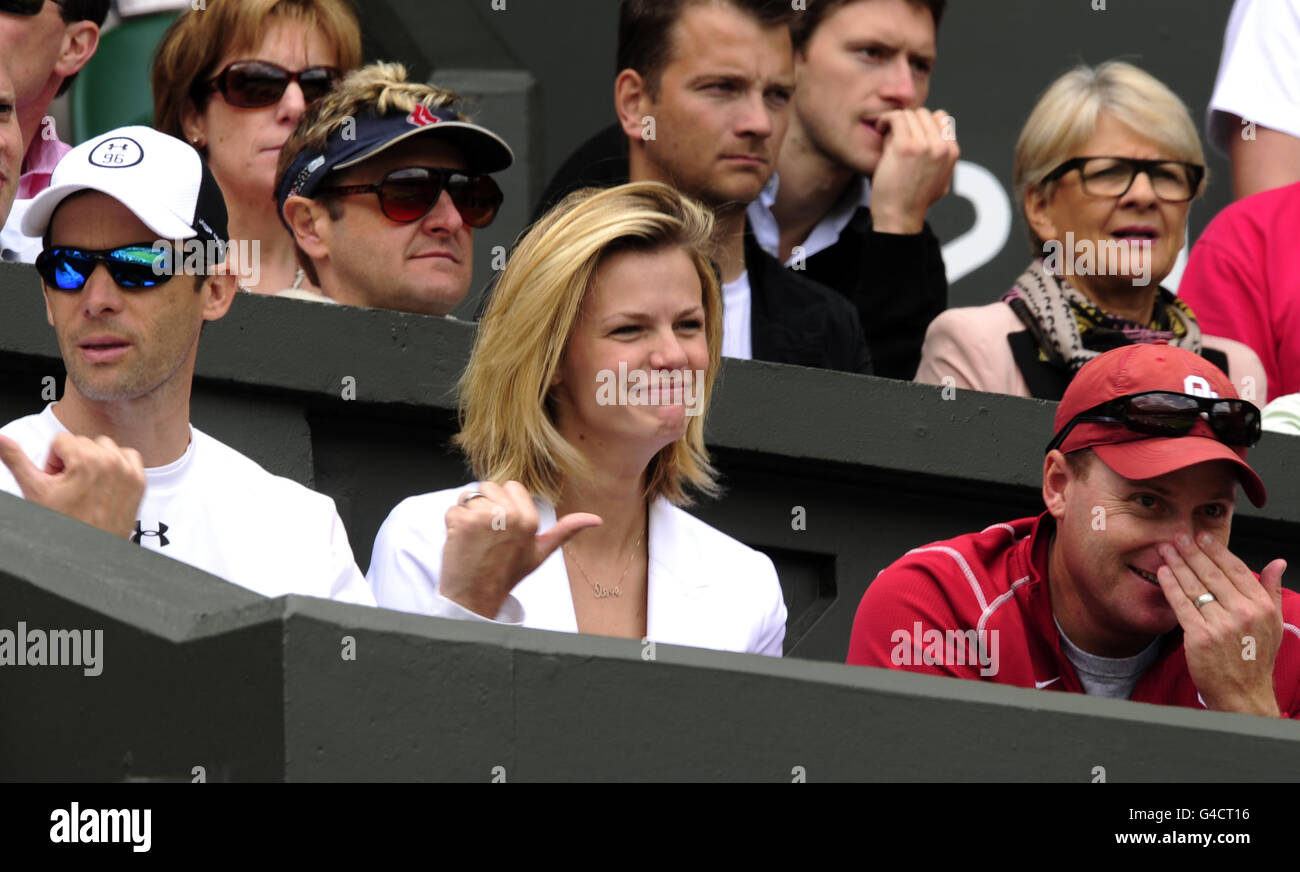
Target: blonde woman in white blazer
582, 415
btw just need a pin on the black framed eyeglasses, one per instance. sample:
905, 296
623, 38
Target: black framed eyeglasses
1173, 181
137, 266
256, 84
25, 7
408, 194
1234, 422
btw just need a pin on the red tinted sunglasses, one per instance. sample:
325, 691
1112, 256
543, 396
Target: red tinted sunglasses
408, 194
255, 84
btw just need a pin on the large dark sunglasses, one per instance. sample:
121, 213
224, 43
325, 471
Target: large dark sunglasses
1166, 413
24, 7
255, 84
1174, 181
136, 266
408, 194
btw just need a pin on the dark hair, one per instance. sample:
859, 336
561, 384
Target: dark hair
645, 30
85, 10
1079, 462
806, 24
72, 11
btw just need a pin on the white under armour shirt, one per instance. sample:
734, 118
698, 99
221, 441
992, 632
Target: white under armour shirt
219, 511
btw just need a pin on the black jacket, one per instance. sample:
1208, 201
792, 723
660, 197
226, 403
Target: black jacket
793, 319
897, 283
797, 321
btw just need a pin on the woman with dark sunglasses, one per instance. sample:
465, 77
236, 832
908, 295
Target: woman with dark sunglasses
232, 80
1106, 169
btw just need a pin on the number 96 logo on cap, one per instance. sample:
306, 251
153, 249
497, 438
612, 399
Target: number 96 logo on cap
117, 153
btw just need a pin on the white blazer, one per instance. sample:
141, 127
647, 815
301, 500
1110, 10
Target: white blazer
705, 589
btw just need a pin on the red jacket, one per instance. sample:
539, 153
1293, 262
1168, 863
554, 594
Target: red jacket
997, 580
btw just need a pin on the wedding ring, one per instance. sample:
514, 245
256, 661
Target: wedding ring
465, 498
1204, 599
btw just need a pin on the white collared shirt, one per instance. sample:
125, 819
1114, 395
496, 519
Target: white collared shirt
825, 234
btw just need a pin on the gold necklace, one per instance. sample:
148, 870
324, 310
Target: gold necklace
600, 590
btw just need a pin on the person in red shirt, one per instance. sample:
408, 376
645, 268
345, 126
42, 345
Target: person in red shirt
1240, 279
1124, 586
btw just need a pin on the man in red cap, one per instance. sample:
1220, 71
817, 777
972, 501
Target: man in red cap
1125, 586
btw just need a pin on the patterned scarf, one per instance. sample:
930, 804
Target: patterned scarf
1071, 330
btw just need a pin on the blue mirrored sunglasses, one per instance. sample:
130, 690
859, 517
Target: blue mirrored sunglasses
136, 266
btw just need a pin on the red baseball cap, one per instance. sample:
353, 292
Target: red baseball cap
1135, 369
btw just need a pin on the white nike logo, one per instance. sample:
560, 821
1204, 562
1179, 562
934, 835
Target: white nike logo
1041, 684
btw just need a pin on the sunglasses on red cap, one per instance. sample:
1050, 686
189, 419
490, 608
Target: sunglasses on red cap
1166, 413
255, 84
408, 194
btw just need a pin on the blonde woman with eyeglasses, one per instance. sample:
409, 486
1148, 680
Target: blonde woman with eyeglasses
1106, 170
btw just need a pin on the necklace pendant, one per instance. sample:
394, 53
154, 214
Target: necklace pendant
603, 592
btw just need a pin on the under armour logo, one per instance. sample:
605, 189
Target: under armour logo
1198, 387
422, 117
117, 153
161, 533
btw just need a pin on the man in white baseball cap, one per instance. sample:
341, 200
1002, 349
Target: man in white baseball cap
133, 228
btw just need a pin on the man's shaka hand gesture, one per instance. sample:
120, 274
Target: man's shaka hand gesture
95, 481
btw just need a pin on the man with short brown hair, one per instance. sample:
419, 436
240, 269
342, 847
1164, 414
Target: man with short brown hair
862, 164
703, 102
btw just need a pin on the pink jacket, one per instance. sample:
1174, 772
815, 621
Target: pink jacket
969, 345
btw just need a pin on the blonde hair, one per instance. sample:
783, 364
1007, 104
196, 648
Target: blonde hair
380, 87
199, 39
1067, 114
507, 418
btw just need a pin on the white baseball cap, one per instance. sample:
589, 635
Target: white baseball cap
160, 178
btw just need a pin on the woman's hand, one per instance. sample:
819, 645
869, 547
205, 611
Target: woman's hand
492, 544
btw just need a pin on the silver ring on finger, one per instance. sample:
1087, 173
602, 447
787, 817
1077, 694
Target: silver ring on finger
1204, 600
465, 498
